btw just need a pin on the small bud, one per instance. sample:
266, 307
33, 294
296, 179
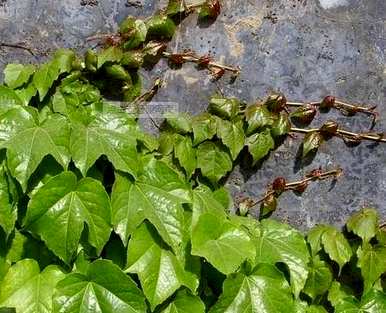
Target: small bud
276, 103
204, 61
329, 128
279, 185
268, 206
176, 59
327, 103
304, 115
352, 141
301, 187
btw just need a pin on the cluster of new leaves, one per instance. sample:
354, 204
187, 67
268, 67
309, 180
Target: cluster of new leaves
98, 216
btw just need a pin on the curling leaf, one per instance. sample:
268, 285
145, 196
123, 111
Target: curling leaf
364, 224
260, 144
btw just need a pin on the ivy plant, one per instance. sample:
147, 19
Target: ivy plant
96, 215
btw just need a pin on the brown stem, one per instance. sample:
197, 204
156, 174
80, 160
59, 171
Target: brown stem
294, 186
344, 107
345, 134
190, 57
148, 95
17, 46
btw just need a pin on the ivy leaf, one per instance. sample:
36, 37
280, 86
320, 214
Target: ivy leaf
280, 243
29, 140
315, 309
364, 224
174, 7
374, 302
16, 75
160, 26
260, 144
227, 108
204, 128
232, 135
27, 93
333, 241
319, 278
179, 122
257, 117
184, 302
158, 269
111, 132
104, 288
27, 289
213, 161
58, 210
281, 126
134, 32
265, 290
8, 201
204, 201
185, 154
8, 99
372, 262
156, 196
111, 54
342, 301
311, 142
214, 238
46, 75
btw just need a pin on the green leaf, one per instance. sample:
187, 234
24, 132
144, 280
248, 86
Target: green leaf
204, 128
232, 135
364, 224
217, 238
374, 302
25, 94
333, 241
184, 302
111, 54
258, 117
260, 144
111, 132
175, 7
204, 201
264, 290
58, 210
227, 108
104, 288
160, 26
179, 122
281, 243
316, 309
281, 126
28, 141
134, 32
319, 278
8, 201
16, 75
27, 289
63, 60
213, 160
158, 269
157, 195
185, 154
372, 262
311, 142
8, 99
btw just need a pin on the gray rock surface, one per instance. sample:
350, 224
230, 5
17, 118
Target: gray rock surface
303, 48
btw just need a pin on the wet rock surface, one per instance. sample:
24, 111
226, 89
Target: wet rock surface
305, 49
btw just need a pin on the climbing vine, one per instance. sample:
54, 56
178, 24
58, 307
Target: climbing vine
97, 215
